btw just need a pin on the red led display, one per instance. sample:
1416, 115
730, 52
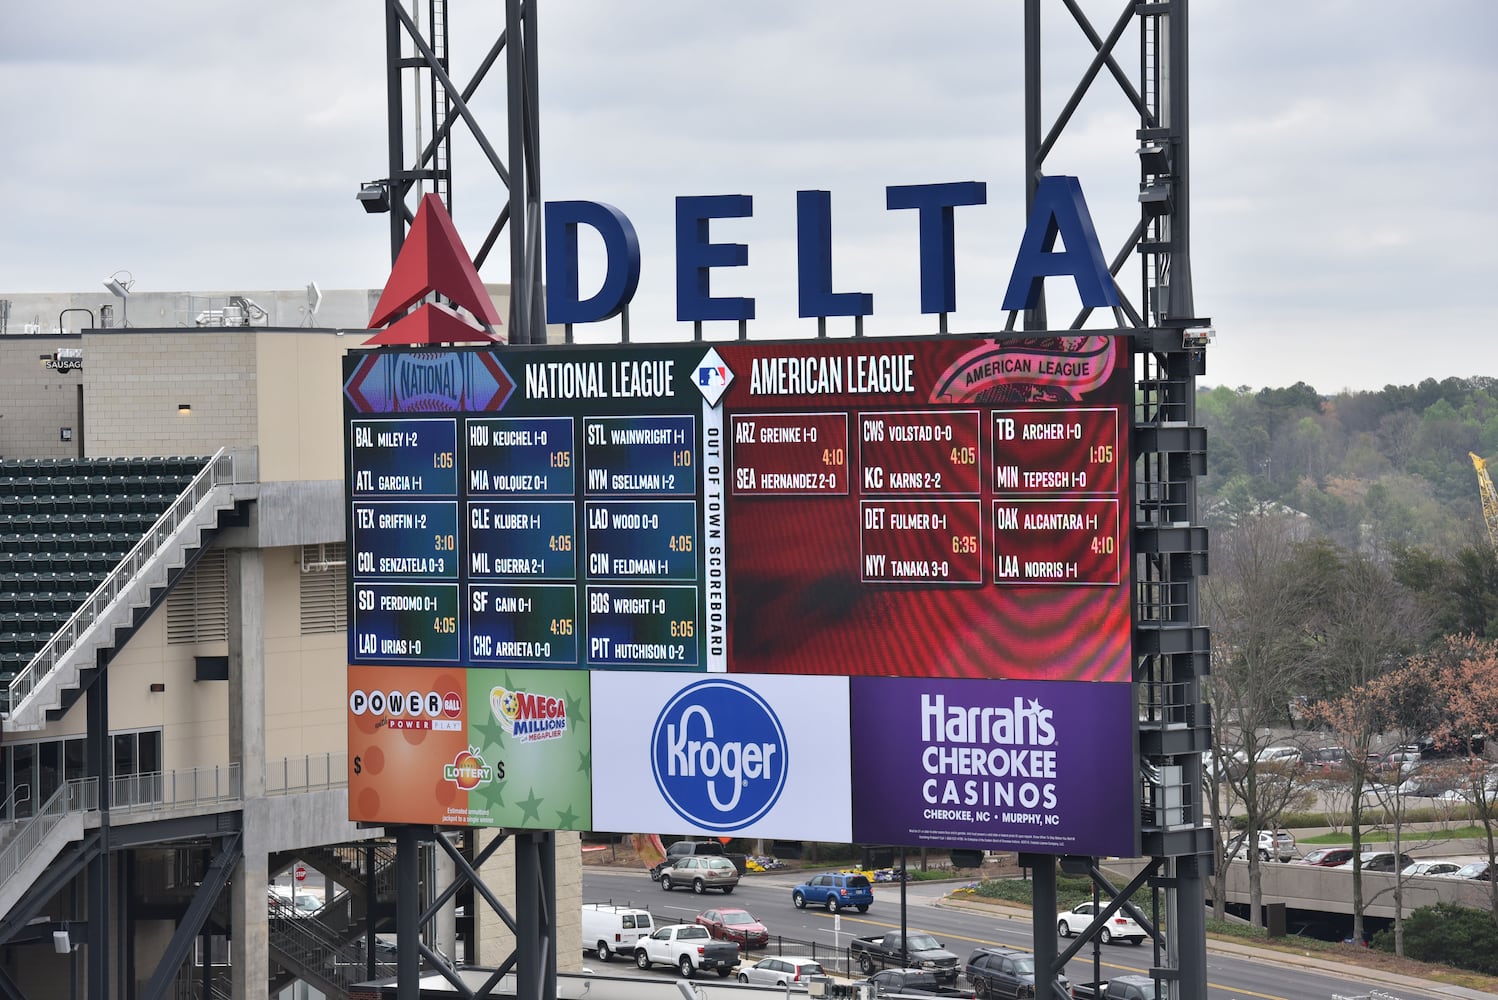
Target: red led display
973, 526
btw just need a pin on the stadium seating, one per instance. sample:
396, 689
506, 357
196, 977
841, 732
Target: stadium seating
64, 525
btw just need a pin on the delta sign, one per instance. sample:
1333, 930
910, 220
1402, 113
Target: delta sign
871, 590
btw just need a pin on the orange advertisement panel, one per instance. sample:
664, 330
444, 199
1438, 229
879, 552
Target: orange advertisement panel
453, 747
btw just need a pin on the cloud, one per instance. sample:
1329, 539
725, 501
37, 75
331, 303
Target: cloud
1342, 155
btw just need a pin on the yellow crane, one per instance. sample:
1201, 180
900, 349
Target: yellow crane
1489, 497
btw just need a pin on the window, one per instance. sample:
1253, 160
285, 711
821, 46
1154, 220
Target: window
23, 779
49, 764
75, 759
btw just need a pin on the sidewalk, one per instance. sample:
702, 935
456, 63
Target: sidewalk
1244, 950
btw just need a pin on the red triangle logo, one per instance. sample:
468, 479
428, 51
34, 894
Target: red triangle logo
433, 259
430, 324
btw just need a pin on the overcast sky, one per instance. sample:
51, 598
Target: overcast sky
1343, 156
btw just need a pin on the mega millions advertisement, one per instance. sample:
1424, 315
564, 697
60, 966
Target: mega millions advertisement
704, 574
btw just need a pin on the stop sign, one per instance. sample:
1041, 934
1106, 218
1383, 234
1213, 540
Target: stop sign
301, 873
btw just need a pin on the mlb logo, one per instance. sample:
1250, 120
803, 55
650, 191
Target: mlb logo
713, 377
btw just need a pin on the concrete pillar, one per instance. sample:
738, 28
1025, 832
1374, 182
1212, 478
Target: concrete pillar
250, 949
245, 571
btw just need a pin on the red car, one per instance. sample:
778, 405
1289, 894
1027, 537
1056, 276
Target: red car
737, 926
1327, 857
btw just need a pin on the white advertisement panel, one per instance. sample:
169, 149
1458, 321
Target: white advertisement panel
742, 756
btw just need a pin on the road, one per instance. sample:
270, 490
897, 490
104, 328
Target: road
768, 897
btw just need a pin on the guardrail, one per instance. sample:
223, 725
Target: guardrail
159, 791
218, 471
30, 835
311, 773
190, 787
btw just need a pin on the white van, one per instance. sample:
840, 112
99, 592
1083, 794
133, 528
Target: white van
609, 930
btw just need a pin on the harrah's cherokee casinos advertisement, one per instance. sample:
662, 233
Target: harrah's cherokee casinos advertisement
1018, 765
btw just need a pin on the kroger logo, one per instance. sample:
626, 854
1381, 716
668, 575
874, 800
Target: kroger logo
718, 753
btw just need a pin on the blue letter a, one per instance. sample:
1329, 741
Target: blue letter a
1060, 209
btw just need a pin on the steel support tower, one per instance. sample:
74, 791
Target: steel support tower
418, 74
1170, 546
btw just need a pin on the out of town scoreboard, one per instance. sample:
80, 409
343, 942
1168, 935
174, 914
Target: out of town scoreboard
524, 522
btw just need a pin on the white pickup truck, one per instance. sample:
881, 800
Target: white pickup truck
689, 947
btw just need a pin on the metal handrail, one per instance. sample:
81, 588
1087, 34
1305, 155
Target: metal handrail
30, 834
157, 790
310, 773
218, 471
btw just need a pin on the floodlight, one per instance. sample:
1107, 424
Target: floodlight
314, 298
120, 289
374, 196
1155, 158
1198, 336
1156, 199
61, 942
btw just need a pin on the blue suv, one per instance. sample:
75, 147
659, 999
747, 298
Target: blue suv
834, 892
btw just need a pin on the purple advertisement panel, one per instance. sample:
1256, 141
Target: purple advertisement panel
1043, 766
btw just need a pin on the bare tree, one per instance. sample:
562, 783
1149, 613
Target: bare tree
1406, 699
1364, 625
1256, 605
1465, 672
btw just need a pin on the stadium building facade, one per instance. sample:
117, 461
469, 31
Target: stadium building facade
173, 652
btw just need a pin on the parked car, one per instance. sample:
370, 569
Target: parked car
782, 971
1231, 763
1380, 861
1272, 845
1327, 857
1427, 784
688, 947
1430, 868
283, 902
1394, 765
1476, 869
306, 905
1127, 987
1469, 788
701, 873
1120, 926
1277, 756
915, 982
1325, 760
836, 891
1003, 972
610, 930
1454, 746
738, 926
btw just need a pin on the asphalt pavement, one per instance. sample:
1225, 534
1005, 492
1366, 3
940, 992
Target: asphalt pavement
1003, 911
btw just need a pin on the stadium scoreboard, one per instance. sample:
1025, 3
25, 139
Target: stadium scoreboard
941, 506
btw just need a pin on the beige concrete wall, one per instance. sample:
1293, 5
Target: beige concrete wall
36, 401
305, 685
495, 941
306, 691
133, 382
300, 404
